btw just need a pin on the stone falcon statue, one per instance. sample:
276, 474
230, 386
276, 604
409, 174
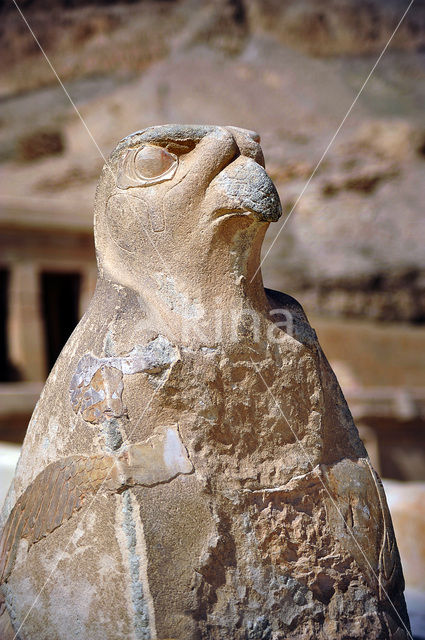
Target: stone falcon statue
191, 470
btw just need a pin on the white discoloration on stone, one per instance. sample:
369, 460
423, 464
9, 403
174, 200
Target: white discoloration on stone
150, 358
108, 565
175, 455
21, 555
294, 482
97, 385
159, 459
177, 301
61, 617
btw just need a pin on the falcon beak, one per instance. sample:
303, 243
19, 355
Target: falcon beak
243, 188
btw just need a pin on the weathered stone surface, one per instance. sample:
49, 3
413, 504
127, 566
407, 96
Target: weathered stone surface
192, 470
407, 503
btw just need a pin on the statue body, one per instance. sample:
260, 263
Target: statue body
191, 470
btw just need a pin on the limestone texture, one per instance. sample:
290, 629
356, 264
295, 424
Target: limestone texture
191, 470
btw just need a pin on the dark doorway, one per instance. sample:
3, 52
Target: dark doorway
4, 289
8, 373
60, 302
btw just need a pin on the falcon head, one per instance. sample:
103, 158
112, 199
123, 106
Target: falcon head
173, 191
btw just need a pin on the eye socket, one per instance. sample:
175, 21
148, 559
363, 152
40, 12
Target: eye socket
152, 162
146, 165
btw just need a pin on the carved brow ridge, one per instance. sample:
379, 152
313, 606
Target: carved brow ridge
178, 139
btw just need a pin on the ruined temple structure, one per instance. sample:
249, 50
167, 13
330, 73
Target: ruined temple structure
191, 470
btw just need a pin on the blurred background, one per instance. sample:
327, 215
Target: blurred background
352, 251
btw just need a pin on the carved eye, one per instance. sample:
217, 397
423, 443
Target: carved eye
146, 165
152, 162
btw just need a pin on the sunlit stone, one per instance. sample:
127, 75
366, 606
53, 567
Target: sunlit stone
151, 162
204, 479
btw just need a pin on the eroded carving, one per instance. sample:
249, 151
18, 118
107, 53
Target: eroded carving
64, 487
97, 385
